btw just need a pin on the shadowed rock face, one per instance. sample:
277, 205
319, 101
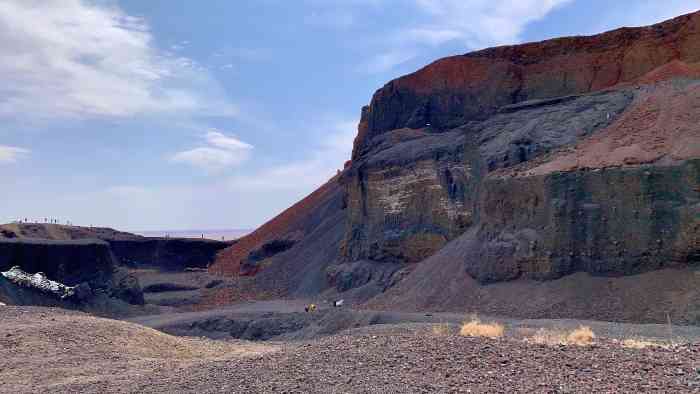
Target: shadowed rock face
408, 197
72, 263
172, 254
605, 222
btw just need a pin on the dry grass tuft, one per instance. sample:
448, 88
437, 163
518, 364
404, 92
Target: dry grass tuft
475, 328
641, 343
548, 337
581, 336
441, 329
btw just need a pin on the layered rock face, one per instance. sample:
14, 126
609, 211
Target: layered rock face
575, 154
408, 197
533, 162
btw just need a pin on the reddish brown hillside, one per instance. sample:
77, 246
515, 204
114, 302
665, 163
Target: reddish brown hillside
290, 224
457, 89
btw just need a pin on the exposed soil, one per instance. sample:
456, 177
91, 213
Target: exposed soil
54, 350
660, 125
58, 351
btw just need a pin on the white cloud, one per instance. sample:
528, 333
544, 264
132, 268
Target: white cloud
431, 36
475, 24
302, 176
74, 58
221, 152
479, 23
387, 61
10, 154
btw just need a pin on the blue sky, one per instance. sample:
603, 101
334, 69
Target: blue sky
174, 114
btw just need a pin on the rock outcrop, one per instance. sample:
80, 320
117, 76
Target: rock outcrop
132, 250
72, 263
577, 155
40, 282
574, 154
458, 89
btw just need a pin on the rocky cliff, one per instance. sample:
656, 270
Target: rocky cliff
172, 254
71, 263
542, 161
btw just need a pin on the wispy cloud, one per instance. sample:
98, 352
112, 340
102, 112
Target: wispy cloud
73, 58
387, 61
479, 23
10, 154
220, 152
302, 176
473, 24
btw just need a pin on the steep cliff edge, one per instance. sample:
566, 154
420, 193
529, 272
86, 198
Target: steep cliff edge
563, 168
132, 250
72, 263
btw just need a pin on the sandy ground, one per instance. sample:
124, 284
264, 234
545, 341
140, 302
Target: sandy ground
50, 350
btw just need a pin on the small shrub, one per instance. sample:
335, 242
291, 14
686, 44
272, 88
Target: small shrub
640, 343
548, 337
475, 328
441, 329
581, 336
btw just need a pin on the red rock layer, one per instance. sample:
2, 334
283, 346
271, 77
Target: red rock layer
662, 124
459, 88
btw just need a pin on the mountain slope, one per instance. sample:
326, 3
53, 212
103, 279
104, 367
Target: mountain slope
541, 168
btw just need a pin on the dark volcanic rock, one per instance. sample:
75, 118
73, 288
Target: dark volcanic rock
172, 254
72, 263
409, 196
252, 264
165, 287
617, 221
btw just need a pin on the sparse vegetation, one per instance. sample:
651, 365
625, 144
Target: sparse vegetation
441, 329
548, 337
476, 328
641, 343
581, 336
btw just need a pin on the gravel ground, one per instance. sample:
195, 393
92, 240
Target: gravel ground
411, 359
75, 352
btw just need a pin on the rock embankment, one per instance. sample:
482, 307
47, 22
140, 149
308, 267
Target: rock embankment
71, 263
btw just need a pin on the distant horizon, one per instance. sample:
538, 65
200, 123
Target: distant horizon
210, 233
216, 234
